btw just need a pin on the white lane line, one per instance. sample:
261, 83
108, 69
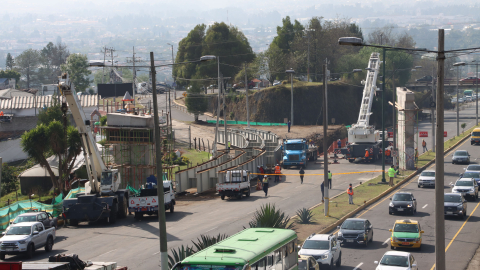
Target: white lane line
299, 186
285, 199
156, 253
386, 241
251, 212
212, 229
357, 267
425, 205
105, 253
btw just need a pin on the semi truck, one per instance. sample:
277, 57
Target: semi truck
235, 184
146, 202
296, 152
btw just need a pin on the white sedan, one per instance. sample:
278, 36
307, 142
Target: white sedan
396, 260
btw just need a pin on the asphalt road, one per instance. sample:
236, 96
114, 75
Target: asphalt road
462, 237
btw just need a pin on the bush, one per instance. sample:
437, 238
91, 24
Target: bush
269, 217
205, 241
305, 216
179, 255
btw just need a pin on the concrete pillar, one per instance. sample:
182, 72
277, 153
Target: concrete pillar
406, 132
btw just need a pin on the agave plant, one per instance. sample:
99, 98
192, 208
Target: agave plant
205, 241
305, 216
269, 217
179, 255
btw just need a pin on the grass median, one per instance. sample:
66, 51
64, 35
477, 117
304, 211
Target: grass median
368, 190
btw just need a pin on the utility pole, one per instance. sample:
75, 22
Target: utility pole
325, 146
308, 57
394, 90
476, 100
433, 112
439, 159
327, 76
458, 107
161, 210
218, 108
224, 112
133, 61
175, 87
383, 116
246, 95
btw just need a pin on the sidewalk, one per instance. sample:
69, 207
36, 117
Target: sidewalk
474, 263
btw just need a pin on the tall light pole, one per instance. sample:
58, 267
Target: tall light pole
458, 103
208, 58
174, 88
291, 72
476, 81
325, 147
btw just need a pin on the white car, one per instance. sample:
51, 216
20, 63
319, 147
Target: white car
460, 100
325, 248
467, 187
427, 179
396, 260
469, 99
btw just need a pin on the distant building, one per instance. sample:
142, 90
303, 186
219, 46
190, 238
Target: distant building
7, 83
48, 90
11, 93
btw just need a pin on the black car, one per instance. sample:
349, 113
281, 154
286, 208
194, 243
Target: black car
356, 231
455, 205
402, 202
427, 78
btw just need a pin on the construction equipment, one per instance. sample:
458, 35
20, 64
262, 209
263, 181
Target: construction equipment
296, 152
102, 198
362, 135
146, 202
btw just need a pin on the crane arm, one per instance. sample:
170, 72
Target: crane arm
369, 90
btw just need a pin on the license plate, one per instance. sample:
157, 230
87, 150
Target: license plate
9, 249
349, 241
144, 209
400, 209
405, 243
449, 213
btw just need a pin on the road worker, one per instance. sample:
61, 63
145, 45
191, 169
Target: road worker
265, 185
350, 194
391, 174
329, 184
302, 174
278, 171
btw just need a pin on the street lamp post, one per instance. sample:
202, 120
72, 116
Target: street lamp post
208, 58
291, 72
458, 103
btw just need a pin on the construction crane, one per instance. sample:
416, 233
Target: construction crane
102, 198
362, 136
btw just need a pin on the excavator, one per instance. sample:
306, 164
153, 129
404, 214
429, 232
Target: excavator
103, 199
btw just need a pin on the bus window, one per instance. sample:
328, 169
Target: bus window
261, 264
269, 260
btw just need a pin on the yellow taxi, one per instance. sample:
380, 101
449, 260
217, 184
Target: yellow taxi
307, 263
406, 234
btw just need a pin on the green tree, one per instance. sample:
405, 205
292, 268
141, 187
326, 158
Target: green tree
52, 57
286, 34
28, 62
11, 74
196, 101
77, 69
9, 179
9, 62
51, 113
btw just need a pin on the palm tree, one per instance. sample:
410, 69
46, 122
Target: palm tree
269, 217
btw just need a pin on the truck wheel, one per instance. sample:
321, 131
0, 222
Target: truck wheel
113, 213
49, 245
172, 208
350, 160
123, 208
73, 222
30, 251
239, 196
284, 166
2, 256
223, 197
138, 215
248, 194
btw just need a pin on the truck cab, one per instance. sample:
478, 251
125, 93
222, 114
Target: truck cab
236, 183
296, 152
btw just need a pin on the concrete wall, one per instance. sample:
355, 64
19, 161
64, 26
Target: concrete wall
129, 120
406, 122
10, 150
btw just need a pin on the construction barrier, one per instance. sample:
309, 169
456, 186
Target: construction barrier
231, 122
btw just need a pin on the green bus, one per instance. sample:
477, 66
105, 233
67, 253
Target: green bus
250, 249
468, 93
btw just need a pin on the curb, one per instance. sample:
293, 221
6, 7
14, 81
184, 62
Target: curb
383, 194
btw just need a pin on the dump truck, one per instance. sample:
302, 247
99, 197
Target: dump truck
296, 152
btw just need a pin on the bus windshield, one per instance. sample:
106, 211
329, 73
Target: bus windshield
210, 267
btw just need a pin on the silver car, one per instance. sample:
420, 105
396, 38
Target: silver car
427, 179
461, 156
467, 187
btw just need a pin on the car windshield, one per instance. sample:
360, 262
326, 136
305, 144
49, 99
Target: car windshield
464, 183
25, 219
20, 230
452, 198
106, 178
302, 264
402, 197
294, 146
472, 175
395, 260
475, 133
353, 225
410, 228
474, 167
461, 154
316, 244
430, 174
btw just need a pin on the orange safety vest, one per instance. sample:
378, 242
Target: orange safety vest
350, 191
277, 170
424, 143
367, 153
387, 153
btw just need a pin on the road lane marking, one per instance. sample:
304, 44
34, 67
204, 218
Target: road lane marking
285, 199
386, 241
105, 253
425, 205
212, 229
459, 230
156, 253
358, 266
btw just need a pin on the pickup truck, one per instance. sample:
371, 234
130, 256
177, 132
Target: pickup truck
235, 184
147, 201
46, 218
26, 237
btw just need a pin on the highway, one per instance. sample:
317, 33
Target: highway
462, 236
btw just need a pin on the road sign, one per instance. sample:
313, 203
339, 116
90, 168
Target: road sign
390, 134
423, 134
184, 94
394, 153
444, 134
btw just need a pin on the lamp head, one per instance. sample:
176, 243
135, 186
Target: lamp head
289, 71
207, 58
459, 64
351, 41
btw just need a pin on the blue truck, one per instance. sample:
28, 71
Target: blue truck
296, 152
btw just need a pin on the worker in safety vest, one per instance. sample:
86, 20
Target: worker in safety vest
424, 145
367, 154
350, 194
416, 155
391, 174
265, 185
278, 170
387, 152
229, 144
329, 185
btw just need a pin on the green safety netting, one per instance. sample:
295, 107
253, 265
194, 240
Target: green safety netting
133, 190
9, 213
231, 122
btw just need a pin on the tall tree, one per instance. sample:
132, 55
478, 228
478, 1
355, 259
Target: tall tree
196, 101
286, 34
77, 69
28, 63
9, 62
11, 74
52, 57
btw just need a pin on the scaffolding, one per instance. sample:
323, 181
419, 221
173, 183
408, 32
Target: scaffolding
131, 151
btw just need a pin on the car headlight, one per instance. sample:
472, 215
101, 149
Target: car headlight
391, 204
417, 239
340, 233
22, 242
460, 206
410, 205
324, 257
361, 235
395, 239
